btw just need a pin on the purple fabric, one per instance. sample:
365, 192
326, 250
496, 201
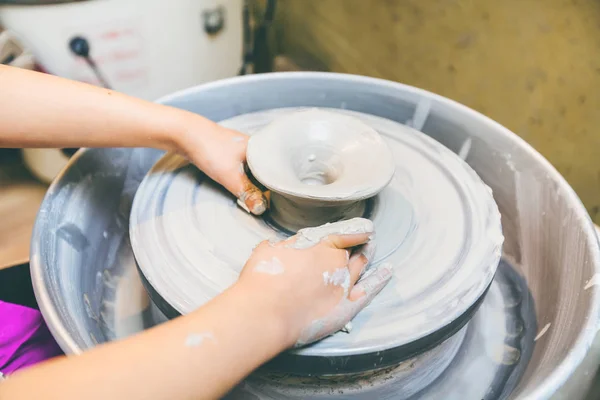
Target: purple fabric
24, 338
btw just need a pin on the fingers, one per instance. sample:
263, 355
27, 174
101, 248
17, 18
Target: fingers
349, 233
356, 266
360, 260
360, 297
370, 285
347, 241
341, 235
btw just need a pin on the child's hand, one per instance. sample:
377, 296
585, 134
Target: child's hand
221, 155
313, 281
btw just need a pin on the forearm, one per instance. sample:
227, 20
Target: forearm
40, 110
200, 356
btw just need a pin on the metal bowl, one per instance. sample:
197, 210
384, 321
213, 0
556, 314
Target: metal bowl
80, 242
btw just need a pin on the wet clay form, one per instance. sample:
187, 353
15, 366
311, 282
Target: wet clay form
320, 166
436, 222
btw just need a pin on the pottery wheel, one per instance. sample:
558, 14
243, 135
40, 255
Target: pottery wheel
436, 223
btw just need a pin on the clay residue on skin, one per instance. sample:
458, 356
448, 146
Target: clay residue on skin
327, 325
271, 267
339, 277
196, 339
377, 275
252, 200
243, 205
368, 249
340, 318
309, 237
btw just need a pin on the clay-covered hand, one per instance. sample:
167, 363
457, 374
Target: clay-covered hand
315, 280
221, 154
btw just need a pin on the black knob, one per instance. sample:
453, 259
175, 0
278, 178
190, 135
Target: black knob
80, 46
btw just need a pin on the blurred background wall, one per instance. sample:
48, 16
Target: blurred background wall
533, 66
